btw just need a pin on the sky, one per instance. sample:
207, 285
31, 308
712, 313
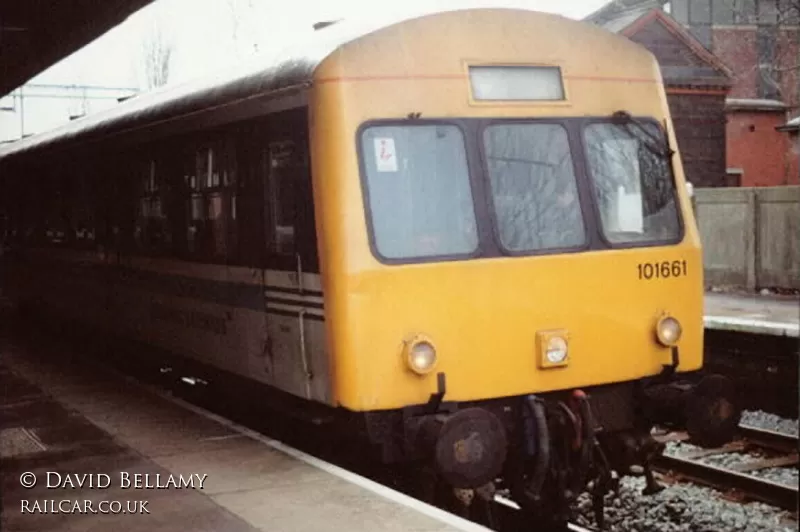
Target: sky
205, 36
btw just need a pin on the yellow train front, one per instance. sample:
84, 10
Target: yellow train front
505, 231
509, 276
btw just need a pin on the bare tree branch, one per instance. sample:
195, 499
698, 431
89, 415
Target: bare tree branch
242, 11
787, 69
777, 41
157, 55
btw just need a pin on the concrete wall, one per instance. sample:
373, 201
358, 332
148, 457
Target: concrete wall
750, 236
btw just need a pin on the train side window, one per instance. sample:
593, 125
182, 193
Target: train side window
84, 217
283, 160
195, 180
57, 220
15, 194
37, 195
102, 187
152, 233
534, 191
248, 201
290, 229
211, 202
227, 230
221, 200
200, 184
169, 198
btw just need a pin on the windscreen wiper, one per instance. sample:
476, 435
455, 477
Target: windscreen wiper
658, 147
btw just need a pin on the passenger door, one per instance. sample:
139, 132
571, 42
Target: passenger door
292, 289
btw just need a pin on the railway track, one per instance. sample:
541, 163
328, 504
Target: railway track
778, 449
769, 439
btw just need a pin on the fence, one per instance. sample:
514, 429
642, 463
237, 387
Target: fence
750, 236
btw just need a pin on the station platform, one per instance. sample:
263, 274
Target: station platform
155, 463
754, 314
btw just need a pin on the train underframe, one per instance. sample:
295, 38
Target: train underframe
545, 450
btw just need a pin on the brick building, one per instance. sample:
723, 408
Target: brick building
760, 153
759, 43
696, 83
759, 40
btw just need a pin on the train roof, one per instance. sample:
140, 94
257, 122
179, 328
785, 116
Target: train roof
292, 66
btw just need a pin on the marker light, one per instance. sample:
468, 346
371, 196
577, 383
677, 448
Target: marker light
668, 331
421, 357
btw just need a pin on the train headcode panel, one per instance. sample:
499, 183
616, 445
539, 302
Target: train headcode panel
464, 237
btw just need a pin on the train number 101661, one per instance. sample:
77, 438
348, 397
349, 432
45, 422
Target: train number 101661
662, 270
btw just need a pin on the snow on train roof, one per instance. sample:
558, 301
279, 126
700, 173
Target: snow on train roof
292, 66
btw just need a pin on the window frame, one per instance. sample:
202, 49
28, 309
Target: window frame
473, 181
489, 242
517, 66
286, 126
275, 191
588, 223
584, 124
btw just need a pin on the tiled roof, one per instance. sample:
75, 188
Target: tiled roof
611, 15
624, 19
627, 17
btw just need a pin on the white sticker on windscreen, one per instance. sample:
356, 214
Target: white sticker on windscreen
385, 154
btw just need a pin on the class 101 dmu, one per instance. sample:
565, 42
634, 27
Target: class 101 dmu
460, 236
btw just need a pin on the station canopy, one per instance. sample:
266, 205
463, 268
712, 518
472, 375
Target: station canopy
36, 34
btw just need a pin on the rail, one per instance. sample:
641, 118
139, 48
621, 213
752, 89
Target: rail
735, 479
769, 439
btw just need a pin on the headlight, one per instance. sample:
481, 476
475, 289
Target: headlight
556, 350
553, 348
421, 357
668, 331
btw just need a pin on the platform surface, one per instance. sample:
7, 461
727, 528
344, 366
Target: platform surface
60, 419
756, 314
